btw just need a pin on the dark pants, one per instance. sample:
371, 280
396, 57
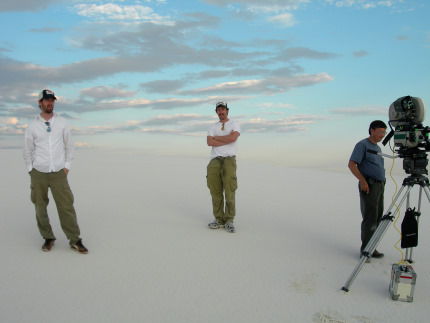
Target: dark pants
372, 209
63, 197
222, 180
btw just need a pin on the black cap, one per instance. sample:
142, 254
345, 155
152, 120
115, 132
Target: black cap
46, 94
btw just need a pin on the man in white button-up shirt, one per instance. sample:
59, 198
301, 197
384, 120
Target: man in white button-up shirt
48, 155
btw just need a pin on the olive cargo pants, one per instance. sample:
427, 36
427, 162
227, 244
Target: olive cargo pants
222, 181
63, 197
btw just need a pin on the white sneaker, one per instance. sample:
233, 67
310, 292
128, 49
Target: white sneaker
215, 224
229, 227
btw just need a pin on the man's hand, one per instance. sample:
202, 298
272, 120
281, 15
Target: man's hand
364, 186
66, 171
355, 171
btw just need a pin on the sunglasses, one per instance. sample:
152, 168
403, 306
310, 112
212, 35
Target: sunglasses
222, 128
49, 126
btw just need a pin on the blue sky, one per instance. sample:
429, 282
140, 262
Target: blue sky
304, 78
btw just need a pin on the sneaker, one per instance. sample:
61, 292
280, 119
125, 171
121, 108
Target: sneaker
229, 227
48, 245
377, 254
78, 246
215, 225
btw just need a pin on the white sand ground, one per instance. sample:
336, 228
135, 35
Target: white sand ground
153, 259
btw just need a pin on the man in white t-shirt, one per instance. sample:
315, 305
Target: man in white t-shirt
221, 171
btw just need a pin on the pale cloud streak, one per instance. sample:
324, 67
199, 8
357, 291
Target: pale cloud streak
284, 19
360, 111
293, 123
266, 86
105, 92
197, 125
112, 11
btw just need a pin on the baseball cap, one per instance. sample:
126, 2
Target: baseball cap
46, 94
221, 104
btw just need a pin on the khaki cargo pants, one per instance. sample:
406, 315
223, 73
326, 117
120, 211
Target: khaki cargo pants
222, 182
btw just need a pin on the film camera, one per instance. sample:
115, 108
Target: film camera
411, 138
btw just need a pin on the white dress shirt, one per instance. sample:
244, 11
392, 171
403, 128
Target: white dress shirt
48, 151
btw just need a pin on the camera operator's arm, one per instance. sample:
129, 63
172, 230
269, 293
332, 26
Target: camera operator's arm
356, 172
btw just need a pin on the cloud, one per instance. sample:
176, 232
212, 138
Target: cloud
285, 4
285, 19
263, 86
293, 53
11, 126
104, 92
179, 124
83, 145
197, 125
27, 5
294, 123
365, 4
162, 86
112, 11
402, 37
361, 111
10, 121
81, 105
360, 53
45, 30
238, 69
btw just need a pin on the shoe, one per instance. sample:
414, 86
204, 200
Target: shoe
48, 245
229, 227
377, 254
215, 225
362, 255
78, 246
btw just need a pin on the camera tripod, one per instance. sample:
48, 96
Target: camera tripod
408, 183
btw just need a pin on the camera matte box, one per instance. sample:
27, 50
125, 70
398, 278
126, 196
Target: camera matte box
403, 281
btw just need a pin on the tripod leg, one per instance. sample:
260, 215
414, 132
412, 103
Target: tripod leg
410, 250
377, 236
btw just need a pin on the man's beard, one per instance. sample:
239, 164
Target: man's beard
222, 116
47, 109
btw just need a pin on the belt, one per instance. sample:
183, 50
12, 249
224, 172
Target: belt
224, 157
372, 180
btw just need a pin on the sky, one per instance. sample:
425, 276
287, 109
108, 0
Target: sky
303, 77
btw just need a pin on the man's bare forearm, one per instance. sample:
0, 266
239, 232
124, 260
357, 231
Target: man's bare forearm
214, 142
232, 137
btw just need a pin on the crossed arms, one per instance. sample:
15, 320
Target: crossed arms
223, 140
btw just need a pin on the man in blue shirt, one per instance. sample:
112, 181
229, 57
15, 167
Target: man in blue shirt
368, 167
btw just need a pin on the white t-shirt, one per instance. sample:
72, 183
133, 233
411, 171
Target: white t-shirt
226, 150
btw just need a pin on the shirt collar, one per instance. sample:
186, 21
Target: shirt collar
50, 120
